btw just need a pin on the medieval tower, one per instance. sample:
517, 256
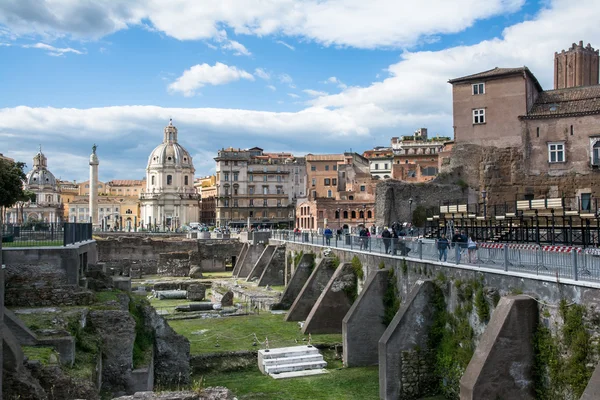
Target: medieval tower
575, 67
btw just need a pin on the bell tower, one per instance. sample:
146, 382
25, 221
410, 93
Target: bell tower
576, 67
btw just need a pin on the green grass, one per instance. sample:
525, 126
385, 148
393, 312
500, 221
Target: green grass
42, 354
345, 383
40, 243
212, 275
236, 333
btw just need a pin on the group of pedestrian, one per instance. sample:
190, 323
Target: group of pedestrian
460, 240
391, 240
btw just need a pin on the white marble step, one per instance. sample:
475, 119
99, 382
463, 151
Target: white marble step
294, 367
292, 360
288, 352
298, 374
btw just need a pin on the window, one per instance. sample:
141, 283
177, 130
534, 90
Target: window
235, 176
251, 178
334, 181
169, 179
586, 200
278, 178
313, 167
226, 190
264, 178
101, 209
345, 214
314, 181
369, 214
571, 130
327, 168
251, 214
329, 193
361, 214
235, 202
251, 204
429, 171
327, 182
353, 214
226, 203
152, 179
350, 197
264, 214
226, 162
278, 203
279, 190
479, 116
87, 186
265, 190
251, 189
185, 181
596, 154
537, 132
235, 191
235, 163
385, 166
335, 167
362, 188
226, 176
478, 88
556, 152
265, 202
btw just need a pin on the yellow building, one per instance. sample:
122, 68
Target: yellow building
114, 212
207, 188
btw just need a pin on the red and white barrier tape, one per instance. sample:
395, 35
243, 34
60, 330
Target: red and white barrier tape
561, 249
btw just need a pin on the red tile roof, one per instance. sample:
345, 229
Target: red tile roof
566, 102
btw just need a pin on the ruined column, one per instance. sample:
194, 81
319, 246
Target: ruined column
94, 187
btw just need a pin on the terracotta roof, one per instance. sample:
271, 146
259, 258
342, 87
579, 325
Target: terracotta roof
324, 157
126, 182
564, 102
497, 73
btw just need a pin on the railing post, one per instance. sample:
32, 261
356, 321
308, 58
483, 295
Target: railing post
575, 276
505, 249
64, 234
457, 253
420, 248
351, 240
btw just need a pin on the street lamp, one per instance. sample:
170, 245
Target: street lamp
364, 216
410, 201
483, 196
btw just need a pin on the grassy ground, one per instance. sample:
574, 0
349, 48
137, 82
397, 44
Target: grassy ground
344, 383
237, 333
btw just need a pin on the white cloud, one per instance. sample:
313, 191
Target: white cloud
293, 95
200, 75
315, 93
357, 23
273, 88
261, 73
336, 81
285, 78
53, 51
237, 48
289, 46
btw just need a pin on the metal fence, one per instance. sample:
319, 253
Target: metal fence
557, 261
41, 234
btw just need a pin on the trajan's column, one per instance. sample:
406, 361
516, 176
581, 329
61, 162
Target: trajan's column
94, 187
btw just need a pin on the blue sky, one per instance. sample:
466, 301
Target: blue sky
303, 76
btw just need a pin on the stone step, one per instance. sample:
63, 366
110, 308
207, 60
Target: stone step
288, 352
295, 367
293, 360
298, 374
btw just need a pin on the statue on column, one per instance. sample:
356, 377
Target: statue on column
94, 147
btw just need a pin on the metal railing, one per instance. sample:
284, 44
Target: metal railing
44, 234
566, 262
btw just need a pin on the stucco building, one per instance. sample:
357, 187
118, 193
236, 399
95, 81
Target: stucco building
207, 188
258, 187
341, 192
553, 136
415, 157
169, 199
380, 162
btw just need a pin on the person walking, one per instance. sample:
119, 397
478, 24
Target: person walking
442, 245
363, 237
457, 240
472, 249
328, 233
387, 239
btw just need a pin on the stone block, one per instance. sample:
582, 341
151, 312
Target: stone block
122, 283
502, 365
311, 290
196, 292
196, 272
135, 273
227, 299
363, 326
334, 302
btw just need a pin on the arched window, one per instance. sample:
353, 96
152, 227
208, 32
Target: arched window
169, 179
329, 193
345, 214
170, 136
337, 214
596, 154
369, 214
185, 180
353, 214
361, 214
152, 179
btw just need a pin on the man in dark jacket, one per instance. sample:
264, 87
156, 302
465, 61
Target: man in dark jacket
459, 240
387, 239
442, 245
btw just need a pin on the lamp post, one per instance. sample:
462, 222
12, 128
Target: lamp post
483, 197
410, 201
364, 216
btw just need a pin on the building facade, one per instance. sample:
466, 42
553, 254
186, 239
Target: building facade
380, 162
258, 188
341, 193
114, 212
207, 189
169, 199
549, 140
415, 157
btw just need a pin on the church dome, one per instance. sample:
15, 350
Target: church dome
39, 175
170, 154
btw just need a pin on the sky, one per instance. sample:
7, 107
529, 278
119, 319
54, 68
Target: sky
310, 76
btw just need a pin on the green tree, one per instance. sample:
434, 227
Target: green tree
27, 196
11, 188
419, 216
